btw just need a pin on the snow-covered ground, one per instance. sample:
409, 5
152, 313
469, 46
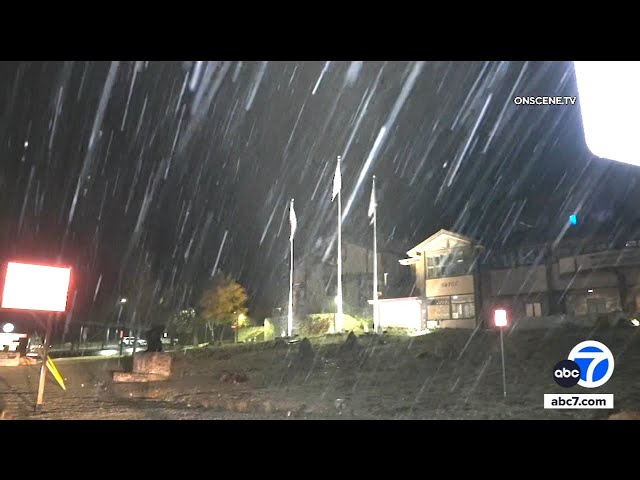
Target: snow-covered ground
450, 374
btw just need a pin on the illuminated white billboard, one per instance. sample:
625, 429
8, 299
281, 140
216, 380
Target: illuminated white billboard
36, 287
610, 108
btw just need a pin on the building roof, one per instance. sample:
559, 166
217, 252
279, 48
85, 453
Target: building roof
436, 237
409, 261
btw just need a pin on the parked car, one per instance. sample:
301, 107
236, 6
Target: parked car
130, 340
35, 347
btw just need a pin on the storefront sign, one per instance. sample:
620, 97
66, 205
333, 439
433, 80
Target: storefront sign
437, 287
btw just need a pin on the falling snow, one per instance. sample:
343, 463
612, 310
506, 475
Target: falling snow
161, 174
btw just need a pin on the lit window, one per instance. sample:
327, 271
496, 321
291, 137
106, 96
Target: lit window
439, 308
596, 305
463, 306
533, 309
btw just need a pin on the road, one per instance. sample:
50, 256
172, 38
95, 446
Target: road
95, 349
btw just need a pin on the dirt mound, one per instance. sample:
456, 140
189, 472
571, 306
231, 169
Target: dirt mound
350, 344
234, 377
28, 361
427, 354
305, 352
625, 415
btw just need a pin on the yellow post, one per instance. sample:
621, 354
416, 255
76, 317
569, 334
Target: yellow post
56, 374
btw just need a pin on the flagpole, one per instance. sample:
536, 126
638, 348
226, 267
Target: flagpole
339, 314
290, 315
376, 319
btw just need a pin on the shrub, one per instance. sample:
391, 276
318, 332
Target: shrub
251, 334
319, 324
316, 325
269, 330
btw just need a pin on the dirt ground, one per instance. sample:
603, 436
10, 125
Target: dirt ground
448, 374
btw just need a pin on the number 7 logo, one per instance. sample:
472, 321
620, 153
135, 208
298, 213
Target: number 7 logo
595, 361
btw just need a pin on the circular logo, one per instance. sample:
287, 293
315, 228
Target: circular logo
566, 373
595, 361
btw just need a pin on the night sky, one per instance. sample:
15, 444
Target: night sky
132, 171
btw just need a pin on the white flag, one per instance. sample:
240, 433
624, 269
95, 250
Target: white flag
293, 221
372, 202
337, 181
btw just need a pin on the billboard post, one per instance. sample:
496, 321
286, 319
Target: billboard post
43, 368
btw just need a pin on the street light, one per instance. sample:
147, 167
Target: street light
500, 320
121, 303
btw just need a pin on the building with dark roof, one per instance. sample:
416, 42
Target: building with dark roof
458, 282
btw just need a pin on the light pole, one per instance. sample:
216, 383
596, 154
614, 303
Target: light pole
121, 302
500, 319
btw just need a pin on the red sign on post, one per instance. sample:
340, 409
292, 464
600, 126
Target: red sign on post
36, 287
500, 317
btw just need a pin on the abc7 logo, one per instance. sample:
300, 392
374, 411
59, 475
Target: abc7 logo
590, 364
566, 373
